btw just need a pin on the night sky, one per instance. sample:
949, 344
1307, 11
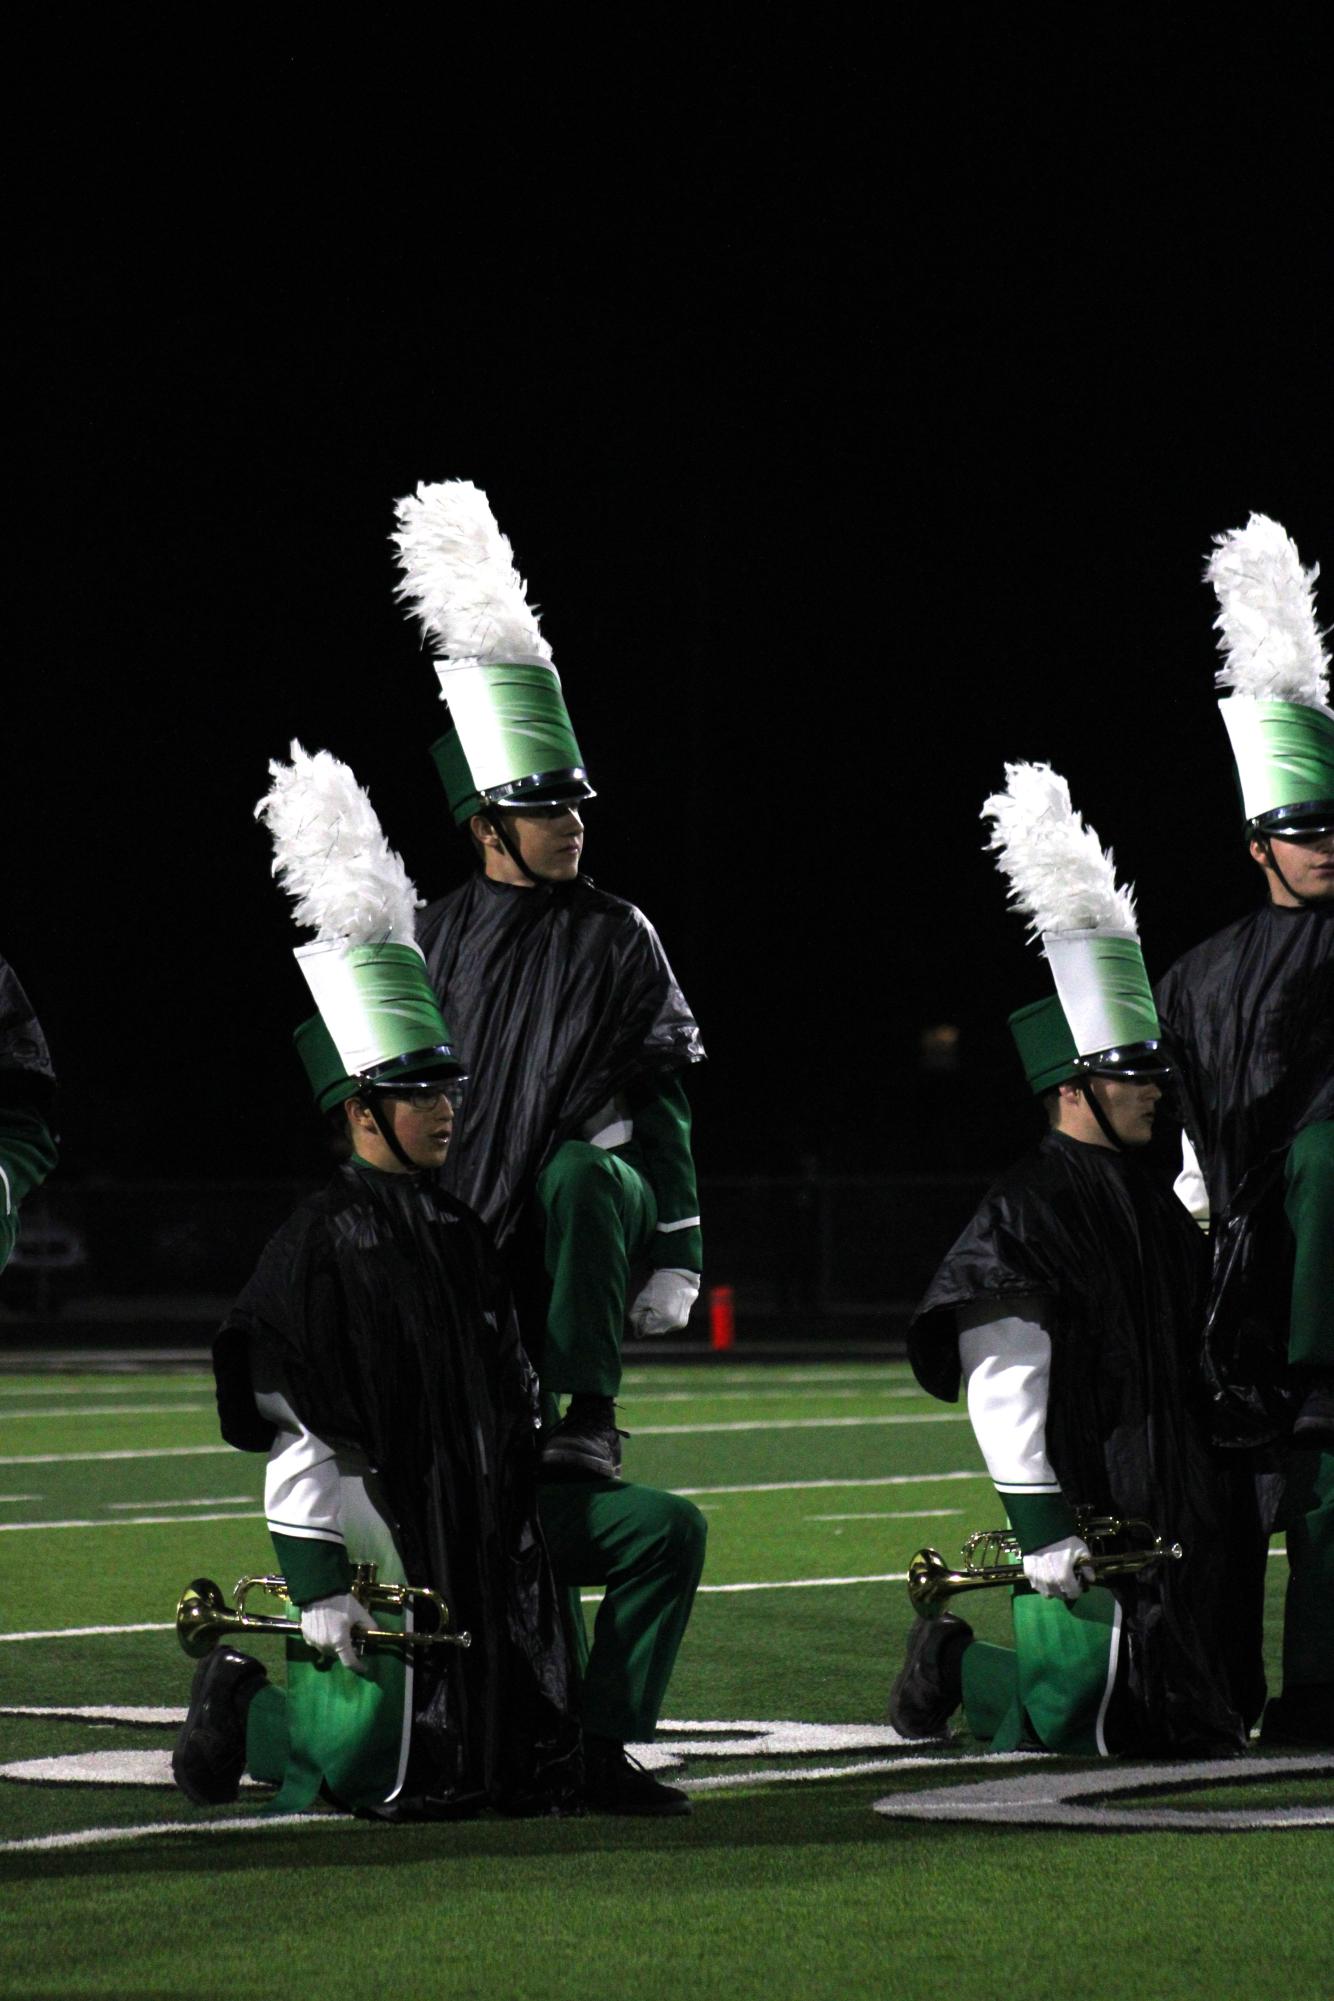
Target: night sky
859, 412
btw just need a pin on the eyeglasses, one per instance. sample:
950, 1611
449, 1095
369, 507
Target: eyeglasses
430, 1097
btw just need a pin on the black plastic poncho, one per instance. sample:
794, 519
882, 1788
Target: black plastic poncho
396, 1336
1121, 1268
1249, 1019
558, 997
26, 1075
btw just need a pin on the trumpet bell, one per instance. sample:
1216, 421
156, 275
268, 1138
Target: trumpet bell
199, 1615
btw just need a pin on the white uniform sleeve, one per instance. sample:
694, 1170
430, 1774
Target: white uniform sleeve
302, 1488
1006, 1360
1189, 1187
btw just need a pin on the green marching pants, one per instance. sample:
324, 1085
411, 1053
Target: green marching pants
333, 1728
599, 1215
1057, 1680
647, 1548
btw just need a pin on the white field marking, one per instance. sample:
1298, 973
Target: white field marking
758, 1395
122, 1452
92, 1837
801, 1486
90, 1632
804, 1774
7, 1498
117, 1410
204, 1501
761, 1372
250, 1514
99, 1712
106, 1387
1069, 1799
797, 1423
776, 1584
902, 1515
99, 1768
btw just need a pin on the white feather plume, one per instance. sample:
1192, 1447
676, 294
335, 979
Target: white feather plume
459, 577
331, 856
1272, 647
1060, 878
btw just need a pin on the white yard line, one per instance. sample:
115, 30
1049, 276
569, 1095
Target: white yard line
796, 1423
250, 1514
804, 1486
902, 1515
816, 1372
204, 1501
117, 1410
92, 1837
121, 1452
789, 1395
10, 1499
89, 1632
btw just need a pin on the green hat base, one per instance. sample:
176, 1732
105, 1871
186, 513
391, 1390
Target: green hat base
327, 1074
1046, 1047
539, 788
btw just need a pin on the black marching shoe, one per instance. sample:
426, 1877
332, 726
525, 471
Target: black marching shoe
929, 1687
614, 1782
585, 1445
1314, 1422
209, 1757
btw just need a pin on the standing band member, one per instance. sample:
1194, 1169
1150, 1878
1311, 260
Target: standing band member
1069, 1307
574, 1143
27, 1095
1250, 1018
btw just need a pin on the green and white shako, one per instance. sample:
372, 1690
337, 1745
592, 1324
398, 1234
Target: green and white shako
379, 1023
1276, 677
511, 742
1101, 1020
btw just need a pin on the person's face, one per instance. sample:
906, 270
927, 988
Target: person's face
422, 1122
1130, 1107
1307, 865
550, 839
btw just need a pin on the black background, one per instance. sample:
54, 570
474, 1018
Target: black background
859, 398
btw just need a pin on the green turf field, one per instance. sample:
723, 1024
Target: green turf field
975, 1878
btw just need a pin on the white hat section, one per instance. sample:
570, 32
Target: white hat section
1102, 987
331, 974
486, 734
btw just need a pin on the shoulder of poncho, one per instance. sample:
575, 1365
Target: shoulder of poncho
1210, 957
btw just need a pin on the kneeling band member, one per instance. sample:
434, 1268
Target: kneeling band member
1069, 1306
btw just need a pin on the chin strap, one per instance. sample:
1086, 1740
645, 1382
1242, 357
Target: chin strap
1268, 846
373, 1099
1086, 1086
492, 817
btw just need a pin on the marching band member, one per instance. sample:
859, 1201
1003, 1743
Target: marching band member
574, 1143
1068, 1307
1250, 1019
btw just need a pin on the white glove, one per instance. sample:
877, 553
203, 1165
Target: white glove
663, 1307
327, 1626
1060, 1569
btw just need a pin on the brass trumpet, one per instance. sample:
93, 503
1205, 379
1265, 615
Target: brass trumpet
931, 1581
203, 1616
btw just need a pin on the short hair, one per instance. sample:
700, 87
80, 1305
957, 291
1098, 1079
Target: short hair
336, 1132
